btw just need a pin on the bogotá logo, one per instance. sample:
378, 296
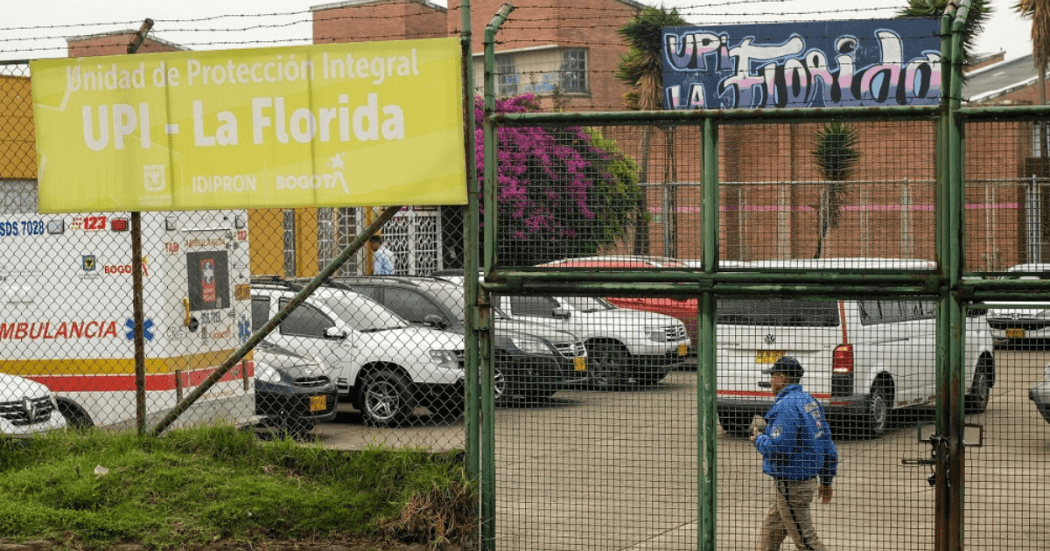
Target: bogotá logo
318, 181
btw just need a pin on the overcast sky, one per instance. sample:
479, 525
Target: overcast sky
33, 29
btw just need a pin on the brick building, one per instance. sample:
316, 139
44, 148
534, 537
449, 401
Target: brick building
566, 51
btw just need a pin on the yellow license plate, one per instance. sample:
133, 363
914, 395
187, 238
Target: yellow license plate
768, 356
1015, 333
683, 350
318, 403
580, 364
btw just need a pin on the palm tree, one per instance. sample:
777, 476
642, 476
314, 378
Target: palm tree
641, 68
836, 155
980, 11
1039, 12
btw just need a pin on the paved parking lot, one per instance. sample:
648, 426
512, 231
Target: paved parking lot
617, 470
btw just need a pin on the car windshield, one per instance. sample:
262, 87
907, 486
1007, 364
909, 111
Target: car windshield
791, 313
588, 305
362, 313
452, 296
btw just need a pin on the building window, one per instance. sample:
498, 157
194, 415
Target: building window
574, 71
506, 76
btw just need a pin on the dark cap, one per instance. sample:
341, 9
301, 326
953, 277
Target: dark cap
376, 237
788, 366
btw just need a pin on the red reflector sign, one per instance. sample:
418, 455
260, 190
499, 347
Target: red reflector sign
118, 224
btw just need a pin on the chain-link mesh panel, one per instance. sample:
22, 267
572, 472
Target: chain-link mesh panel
1007, 468
570, 192
608, 462
827, 190
1006, 196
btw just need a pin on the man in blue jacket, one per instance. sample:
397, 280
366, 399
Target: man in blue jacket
798, 453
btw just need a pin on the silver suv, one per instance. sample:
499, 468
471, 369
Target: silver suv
383, 365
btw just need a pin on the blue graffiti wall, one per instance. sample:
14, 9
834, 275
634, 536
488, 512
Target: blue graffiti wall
804, 64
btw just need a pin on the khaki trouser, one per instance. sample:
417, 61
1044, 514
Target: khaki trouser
789, 515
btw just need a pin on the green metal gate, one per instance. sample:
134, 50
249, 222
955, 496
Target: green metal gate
668, 478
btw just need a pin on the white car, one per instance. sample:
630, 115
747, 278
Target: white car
27, 407
1021, 320
863, 358
383, 365
622, 344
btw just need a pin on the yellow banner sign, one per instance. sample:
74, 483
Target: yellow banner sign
372, 123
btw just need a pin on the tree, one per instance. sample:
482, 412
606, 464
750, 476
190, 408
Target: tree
563, 191
1039, 12
980, 11
836, 155
641, 68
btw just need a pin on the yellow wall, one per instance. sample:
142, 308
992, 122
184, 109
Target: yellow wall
18, 138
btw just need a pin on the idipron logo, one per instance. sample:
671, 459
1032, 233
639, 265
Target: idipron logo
154, 177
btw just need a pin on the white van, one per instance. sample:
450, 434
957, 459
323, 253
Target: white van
862, 358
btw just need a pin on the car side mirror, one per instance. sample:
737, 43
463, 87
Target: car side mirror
334, 334
561, 313
435, 320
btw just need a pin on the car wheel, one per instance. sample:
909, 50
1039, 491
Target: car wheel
607, 365
733, 423
500, 385
877, 415
386, 400
538, 396
981, 392
76, 418
651, 376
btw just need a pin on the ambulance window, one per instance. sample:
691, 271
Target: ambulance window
260, 312
305, 321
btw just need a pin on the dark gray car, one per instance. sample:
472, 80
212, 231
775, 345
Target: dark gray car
532, 360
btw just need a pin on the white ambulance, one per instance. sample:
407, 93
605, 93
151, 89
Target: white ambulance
66, 312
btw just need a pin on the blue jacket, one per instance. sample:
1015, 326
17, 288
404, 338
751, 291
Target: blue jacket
796, 444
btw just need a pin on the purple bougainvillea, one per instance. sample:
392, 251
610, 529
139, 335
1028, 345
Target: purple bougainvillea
562, 191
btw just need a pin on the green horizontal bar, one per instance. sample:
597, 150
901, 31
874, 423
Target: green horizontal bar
741, 115
695, 277
999, 112
689, 291
1012, 285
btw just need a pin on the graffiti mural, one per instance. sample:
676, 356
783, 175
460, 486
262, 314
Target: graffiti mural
805, 64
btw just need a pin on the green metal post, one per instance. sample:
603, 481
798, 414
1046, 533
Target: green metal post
943, 255
488, 438
957, 210
470, 257
707, 413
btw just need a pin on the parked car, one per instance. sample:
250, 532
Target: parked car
1039, 394
383, 365
684, 309
1013, 323
623, 345
532, 360
862, 358
27, 407
293, 393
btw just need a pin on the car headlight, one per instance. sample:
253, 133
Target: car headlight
265, 373
532, 345
657, 334
448, 359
